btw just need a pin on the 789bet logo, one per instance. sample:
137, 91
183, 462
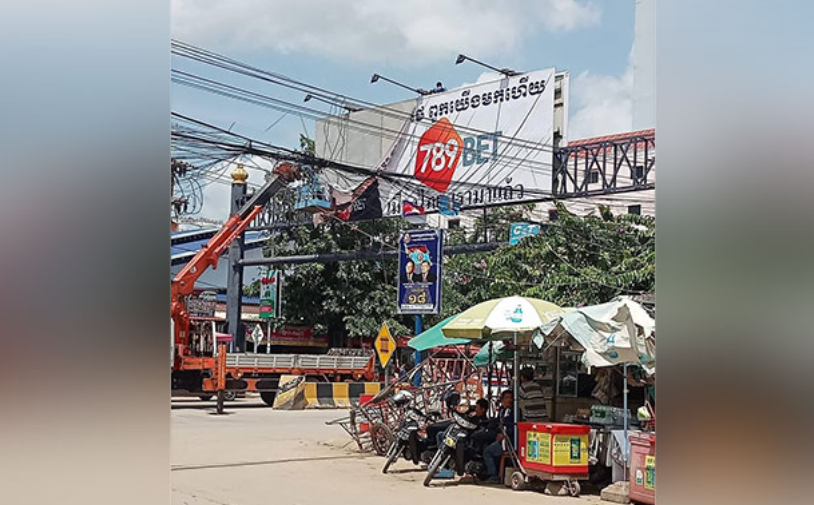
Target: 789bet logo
441, 151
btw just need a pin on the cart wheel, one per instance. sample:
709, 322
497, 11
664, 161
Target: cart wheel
573, 488
382, 437
519, 482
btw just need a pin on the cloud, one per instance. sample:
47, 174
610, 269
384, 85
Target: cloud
600, 104
417, 31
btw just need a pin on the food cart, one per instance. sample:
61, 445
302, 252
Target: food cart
553, 452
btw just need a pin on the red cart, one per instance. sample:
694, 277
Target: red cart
643, 468
551, 452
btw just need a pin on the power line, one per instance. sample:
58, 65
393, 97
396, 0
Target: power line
285, 154
242, 94
212, 58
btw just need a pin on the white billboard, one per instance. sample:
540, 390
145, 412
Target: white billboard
480, 144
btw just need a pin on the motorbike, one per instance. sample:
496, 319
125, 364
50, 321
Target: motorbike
409, 443
458, 452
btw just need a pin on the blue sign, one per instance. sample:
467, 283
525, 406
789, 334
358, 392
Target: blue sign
421, 254
519, 231
447, 207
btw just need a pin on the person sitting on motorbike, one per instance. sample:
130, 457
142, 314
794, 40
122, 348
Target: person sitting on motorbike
493, 451
477, 415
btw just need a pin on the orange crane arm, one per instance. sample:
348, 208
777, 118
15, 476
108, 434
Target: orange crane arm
184, 282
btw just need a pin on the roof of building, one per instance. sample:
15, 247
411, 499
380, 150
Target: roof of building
612, 138
185, 244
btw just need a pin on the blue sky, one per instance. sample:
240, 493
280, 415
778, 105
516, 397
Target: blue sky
338, 44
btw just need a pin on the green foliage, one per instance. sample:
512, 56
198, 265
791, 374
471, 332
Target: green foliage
252, 289
307, 145
579, 261
347, 299
576, 261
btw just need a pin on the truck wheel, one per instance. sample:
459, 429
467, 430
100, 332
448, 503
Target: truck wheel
573, 488
205, 398
268, 397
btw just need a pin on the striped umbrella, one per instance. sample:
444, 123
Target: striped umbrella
512, 317
502, 318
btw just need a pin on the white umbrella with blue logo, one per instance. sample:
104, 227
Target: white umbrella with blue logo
512, 317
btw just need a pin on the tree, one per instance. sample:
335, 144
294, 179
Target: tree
575, 261
579, 260
347, 299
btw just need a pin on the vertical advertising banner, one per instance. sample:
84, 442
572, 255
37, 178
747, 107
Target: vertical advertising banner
271, 285
421, 254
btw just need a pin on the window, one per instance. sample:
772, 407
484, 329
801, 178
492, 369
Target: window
594, 177
634, 209
453, 224
639, 171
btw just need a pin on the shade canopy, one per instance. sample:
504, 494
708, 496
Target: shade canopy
613, 333
502, 318
499, 353
434, 337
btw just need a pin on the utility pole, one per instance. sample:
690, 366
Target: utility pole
234, 276
418, 330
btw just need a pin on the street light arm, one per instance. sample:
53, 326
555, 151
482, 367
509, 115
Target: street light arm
505, 71
377, 77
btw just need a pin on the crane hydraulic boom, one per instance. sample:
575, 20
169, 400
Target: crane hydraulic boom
184, 282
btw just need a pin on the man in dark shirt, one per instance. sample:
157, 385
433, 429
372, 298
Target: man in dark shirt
475, 415
493, 452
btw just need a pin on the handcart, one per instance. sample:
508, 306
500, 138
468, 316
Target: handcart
550, 452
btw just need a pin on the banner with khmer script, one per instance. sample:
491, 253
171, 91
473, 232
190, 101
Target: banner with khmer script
480, 144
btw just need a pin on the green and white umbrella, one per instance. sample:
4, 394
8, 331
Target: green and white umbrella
513, 317
502, 318
434, 337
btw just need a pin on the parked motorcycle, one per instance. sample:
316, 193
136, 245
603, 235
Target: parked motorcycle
458, 452
409, 443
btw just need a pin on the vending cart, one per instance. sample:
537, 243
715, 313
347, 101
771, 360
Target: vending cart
551, 452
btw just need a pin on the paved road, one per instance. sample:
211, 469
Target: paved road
259, 456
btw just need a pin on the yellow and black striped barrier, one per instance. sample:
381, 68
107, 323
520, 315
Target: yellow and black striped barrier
338, 395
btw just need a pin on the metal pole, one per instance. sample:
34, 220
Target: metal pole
624, 400
555, 390
489, 379
417, 355
214, 340
485, 225
369, 255
516, 367
221, 382
268, 336
234, 278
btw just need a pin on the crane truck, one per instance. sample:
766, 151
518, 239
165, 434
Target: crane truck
221, 374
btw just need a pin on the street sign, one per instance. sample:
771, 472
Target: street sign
385, 345
519, 231
271, 286
257, 334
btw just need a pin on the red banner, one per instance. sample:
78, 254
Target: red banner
298, 335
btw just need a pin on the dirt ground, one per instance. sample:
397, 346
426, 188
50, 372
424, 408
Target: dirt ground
257, 456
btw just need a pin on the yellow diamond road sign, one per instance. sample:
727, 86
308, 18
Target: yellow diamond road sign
385, 345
